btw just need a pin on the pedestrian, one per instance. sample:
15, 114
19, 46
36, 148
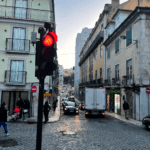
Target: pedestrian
56, 102
126, 109
28, 107
25, 109
54, 105
3, 117
46, 111
19, 105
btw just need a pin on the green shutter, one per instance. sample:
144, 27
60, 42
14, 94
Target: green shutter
129, 36
117, 46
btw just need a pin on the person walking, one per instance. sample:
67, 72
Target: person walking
25, 109
46, 111
54, 105
126, 109
3, 117
19, 105
28, 107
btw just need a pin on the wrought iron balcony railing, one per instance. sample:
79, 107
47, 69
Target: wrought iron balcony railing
127, 80
15, 77
17, 45
107, 82
26, 13
100, 81
116, 81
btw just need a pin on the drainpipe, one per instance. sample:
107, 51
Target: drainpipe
31, 100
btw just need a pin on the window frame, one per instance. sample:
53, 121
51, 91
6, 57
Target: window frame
116, 51
109, 52
101, 50
131, 36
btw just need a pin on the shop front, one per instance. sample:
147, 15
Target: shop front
113, 101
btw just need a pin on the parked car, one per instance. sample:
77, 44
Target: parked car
81, 106
64, 100
146, 121
71, 98
71, 107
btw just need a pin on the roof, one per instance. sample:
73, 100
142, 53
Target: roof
121, 10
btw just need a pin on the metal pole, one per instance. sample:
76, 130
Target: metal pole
40, 106
40, 115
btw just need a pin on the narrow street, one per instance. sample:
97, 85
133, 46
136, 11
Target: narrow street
75, 132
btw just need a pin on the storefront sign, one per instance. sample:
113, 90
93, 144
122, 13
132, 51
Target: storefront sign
113, 91
47, 94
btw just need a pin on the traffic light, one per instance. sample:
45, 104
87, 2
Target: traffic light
45, 53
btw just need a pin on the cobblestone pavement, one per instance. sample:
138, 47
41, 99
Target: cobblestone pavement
75, 132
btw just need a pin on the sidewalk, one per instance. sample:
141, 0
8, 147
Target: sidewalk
52, 116
122, 118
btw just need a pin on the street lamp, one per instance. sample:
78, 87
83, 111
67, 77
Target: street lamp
124, 37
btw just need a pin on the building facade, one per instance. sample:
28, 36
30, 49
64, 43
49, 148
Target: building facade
61, 78
123, 70
17, 70
80, 41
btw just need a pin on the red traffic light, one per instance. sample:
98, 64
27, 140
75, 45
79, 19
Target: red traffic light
50, 39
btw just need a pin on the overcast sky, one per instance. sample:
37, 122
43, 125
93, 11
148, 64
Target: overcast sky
71, 17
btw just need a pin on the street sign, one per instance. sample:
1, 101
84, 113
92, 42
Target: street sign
47, 94
148, 90
34, 89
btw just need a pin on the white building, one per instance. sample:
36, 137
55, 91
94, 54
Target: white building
80, 41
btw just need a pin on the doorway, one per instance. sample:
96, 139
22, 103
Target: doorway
130, 102
10, 98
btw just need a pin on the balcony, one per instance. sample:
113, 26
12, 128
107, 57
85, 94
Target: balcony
116, 81
15, 77
17, 46
100, 81
26, 13
95, 43
107, 82
127, 80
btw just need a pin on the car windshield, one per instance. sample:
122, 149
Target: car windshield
70, 104
66, 99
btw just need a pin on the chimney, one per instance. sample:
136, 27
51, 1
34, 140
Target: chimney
115, 2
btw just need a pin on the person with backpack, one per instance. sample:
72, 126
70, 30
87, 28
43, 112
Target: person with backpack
25, 109
126, 109
46, 111
3, 117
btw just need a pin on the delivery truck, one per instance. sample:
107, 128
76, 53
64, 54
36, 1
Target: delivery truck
95, 101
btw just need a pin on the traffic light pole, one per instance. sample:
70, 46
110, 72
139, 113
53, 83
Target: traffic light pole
40, 107
40, 115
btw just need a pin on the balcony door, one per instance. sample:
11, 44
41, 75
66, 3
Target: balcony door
117, 74
16, 72
19, 39
129, 71
21, 9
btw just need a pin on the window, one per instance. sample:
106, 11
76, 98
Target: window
96, 55
101, 50
95, 74
108, 74
101, 27
129, 69
116, 46
108, 52
16, 73
100, 72
117, 72
129, 36
19, 39
21, 9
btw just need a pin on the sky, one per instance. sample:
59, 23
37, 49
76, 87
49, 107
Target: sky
71, 17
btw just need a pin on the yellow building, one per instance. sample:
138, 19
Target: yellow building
17, 55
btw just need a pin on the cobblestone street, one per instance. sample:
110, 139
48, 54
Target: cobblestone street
75, 132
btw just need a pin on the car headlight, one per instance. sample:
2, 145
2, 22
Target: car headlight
65, 108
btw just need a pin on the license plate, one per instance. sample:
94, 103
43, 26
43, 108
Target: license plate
71, 111
94, 113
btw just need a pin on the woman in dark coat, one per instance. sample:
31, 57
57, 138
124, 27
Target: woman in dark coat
46, 111
19, 105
